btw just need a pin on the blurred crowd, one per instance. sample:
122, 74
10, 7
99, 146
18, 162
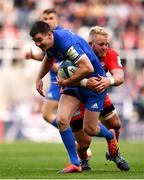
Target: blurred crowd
124, 20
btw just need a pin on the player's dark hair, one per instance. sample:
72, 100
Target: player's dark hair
39, 27
49, 11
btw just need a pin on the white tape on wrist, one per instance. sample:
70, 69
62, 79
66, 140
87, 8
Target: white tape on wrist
112, 81
83, 82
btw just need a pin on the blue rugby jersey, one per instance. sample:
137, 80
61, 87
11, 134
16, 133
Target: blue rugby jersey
52, 73
68, 45
53, 92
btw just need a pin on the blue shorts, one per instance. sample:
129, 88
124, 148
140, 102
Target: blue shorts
92, 100
54, 92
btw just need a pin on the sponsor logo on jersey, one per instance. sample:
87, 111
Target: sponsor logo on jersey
72, 53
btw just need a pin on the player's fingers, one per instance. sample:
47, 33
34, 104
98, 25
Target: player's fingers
99, 76
97, 84
102, 90
41, 92
39, 87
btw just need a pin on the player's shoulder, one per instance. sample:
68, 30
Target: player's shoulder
61, 30
61, 34
112, 59
59, 27
58, 32
111, 52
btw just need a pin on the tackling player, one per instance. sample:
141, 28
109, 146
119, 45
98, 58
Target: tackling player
64, 44
110, 60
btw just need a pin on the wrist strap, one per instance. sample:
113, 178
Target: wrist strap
112, 81
83, 82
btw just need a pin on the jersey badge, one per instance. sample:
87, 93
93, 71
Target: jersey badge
72, 53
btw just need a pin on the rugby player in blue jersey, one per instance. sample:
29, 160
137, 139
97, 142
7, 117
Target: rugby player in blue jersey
53, 94
64, 44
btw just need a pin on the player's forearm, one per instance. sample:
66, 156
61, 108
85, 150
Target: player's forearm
84, 69
117, 77
45, 68
76, 78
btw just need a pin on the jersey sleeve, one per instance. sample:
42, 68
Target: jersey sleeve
72, 48
74, 52
113, 60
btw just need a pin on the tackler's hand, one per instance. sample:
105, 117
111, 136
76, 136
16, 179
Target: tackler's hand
103, 84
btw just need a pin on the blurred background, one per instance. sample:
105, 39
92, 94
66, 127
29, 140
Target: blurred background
20, 104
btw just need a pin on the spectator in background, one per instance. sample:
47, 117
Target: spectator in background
140, 104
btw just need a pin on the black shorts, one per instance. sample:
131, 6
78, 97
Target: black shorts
107, 110
69, 92
76, 125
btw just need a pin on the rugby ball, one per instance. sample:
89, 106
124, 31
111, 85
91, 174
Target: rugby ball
66, 69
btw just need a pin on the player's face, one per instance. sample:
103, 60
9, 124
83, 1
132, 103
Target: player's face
51, 19
44, 41
100, 44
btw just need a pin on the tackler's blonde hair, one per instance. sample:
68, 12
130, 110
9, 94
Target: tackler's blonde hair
97, 30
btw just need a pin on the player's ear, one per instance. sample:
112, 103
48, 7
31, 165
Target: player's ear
50, 34
90, 43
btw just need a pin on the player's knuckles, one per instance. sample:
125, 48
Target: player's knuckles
98, 88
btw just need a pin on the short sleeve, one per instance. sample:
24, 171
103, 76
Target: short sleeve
113, 60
